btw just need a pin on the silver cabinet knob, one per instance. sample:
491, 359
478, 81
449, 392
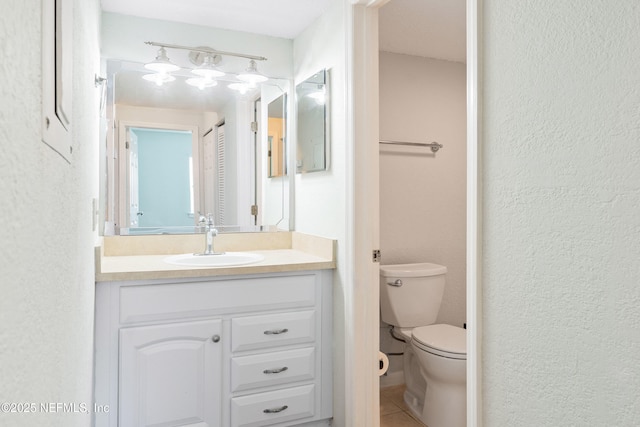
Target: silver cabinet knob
215, 338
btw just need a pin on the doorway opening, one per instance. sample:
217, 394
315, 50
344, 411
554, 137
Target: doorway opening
161, 181
159, 177
430, 98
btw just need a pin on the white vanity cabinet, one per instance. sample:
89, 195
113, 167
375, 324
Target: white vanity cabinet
171, 373
220, 351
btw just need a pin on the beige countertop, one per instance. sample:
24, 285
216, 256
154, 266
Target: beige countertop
142, 257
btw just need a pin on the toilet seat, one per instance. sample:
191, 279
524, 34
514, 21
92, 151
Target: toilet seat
442, 340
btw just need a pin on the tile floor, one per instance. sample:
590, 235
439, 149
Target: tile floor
393, 411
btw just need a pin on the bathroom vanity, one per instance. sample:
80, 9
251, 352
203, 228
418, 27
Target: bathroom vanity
207, 347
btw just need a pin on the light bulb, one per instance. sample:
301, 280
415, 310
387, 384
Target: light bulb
240, 87
201, 82
159, 78
318, 96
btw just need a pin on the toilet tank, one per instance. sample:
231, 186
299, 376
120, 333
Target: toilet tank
416, 301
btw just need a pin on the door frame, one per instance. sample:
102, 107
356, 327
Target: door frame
474, 216
361, 358
122, 208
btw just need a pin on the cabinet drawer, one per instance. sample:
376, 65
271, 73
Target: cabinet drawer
263, 409
177, 301
262, 370
254, 332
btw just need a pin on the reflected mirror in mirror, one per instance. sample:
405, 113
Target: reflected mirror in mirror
276, 137
313, 123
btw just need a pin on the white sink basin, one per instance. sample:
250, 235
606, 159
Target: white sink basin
222, 260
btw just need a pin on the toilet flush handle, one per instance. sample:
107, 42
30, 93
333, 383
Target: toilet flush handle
397, 283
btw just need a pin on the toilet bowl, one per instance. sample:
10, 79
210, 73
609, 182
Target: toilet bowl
435, 354
442, 358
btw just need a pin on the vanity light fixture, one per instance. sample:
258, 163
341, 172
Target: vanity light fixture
205, 59
251, 74
161, 64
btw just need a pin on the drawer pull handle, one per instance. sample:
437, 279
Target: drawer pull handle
275, 410
276, 331
275, 371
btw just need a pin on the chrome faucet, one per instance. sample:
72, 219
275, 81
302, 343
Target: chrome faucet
210, 233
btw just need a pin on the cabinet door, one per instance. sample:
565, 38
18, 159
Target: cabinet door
170, 375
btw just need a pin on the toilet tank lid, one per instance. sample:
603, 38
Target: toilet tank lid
412, 270
443, 337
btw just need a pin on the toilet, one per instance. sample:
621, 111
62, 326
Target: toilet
435, 355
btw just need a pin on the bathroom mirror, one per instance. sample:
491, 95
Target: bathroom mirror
312, 97
276, 137
221, 159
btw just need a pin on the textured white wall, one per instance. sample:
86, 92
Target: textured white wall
422, 195
561, 184
320, 196
46, 237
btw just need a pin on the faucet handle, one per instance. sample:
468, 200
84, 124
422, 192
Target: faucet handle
209, 219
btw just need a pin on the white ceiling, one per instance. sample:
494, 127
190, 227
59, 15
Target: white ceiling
430, 28
278, 18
